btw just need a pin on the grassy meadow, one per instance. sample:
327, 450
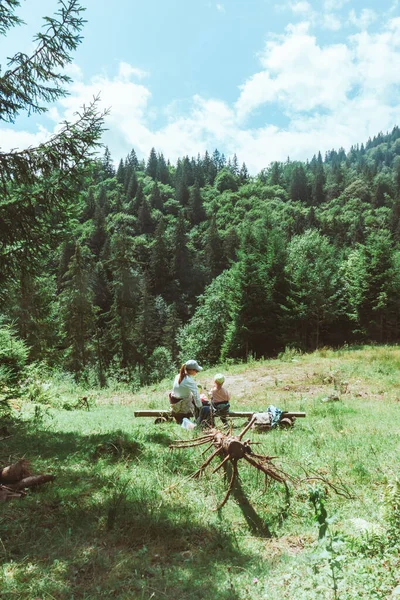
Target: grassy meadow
123, 520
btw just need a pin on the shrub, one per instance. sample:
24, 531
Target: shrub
13, 354
160, 364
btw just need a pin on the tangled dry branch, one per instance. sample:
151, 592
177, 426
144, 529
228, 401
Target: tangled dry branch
232, 449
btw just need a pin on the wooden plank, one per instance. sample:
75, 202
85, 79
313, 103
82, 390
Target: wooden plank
232, 414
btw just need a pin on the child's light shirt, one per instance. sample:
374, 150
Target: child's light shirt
219, 395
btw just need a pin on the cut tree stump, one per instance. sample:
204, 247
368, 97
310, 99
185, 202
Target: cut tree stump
15, 472
15, 478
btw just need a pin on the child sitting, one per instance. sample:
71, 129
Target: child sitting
220, 398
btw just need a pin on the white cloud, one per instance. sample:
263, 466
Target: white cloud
74, 71
331, 22
331, 95
125, 71
12, 139
331, 5
366, 17
298, 73
220, 7
302, 8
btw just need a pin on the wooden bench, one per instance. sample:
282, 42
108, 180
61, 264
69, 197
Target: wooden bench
163, 416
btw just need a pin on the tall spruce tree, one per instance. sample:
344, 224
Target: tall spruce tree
152, 164
132, 186
253, 325
196, 210
145, 223
299, 184
120, 175
77, 310
318, 186
159, 262
213, 251
38, 185
312, 303
125, 291
162, 173
155, 198
147, 333
32, 304
107, 164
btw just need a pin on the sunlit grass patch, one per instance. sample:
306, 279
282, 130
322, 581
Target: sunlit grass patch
124, 520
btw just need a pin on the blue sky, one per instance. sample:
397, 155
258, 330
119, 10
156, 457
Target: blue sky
261, 78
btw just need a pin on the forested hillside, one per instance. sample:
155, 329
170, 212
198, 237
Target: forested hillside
157, 262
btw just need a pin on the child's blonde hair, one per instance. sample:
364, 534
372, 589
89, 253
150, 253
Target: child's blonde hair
219, 378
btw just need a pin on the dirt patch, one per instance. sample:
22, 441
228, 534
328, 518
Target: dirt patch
289, 544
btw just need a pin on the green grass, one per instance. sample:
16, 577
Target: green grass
122, 519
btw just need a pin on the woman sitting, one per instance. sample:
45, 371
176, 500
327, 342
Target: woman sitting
185, 398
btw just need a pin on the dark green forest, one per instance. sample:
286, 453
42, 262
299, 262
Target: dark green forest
153, 262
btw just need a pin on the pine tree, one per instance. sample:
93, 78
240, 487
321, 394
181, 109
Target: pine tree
66, 253
38, 185
318, 193
78, 314
181, 258
312, 303
132, 160
204, 334
216, 159
36, 313
136, 203
128, 171
231, 245
253, 327
378, 305
196, 210
181, 269
90, 206
107, 164
170, 330
382, 191
210, 169
159, 262
235, 165
155, 198
99, 235
213, 251
145, 223
275, 174
120, 175
147, 334
244, 174
125, 291
397, 180
162, 174
102, 297
299, 185
132, 187
182, 192
152, 164
199, 171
